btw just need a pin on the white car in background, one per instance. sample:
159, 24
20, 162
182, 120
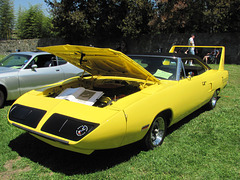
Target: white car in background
23, 71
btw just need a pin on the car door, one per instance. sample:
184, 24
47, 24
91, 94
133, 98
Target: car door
41, 70
194, 89
68, 69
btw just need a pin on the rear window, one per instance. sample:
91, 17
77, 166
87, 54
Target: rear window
61, 61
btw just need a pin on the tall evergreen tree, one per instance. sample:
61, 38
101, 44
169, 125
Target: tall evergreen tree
32, 23
6, 19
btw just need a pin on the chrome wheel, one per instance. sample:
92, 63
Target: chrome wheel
156, 133
213, 101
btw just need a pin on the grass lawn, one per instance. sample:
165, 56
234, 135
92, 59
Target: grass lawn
1, 56
205, 145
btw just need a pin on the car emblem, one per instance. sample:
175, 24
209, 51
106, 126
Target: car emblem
82, 130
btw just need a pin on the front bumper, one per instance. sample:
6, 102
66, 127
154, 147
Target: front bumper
67, 125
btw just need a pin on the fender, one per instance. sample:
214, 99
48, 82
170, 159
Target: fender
11, 87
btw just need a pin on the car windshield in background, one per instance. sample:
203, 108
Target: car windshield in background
15, 61
160, 67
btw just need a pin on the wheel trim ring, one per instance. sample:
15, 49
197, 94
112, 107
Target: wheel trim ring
214, 100
158, 131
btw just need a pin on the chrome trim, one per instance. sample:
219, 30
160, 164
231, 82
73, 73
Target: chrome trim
42, 135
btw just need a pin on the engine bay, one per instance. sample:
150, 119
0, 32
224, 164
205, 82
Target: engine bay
111, 89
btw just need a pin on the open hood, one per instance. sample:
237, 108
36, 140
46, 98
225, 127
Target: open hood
100, 61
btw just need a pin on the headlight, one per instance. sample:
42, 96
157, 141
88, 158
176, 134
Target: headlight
26, 115
68, 127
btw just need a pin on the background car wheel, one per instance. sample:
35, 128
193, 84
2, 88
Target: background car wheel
156, 133
213, 101
2, 99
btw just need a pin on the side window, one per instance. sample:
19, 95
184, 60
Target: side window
61, 61
43, 61
192, 67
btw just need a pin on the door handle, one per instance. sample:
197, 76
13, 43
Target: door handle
57, 70
204, 83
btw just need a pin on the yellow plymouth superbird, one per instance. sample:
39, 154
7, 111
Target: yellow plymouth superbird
122, 99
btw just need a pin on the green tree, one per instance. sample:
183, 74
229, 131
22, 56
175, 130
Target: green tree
6, 19
70, 18
32, 23
107, 19
215, 15
104, 19
179, 16
211, 16
234, 16
137, 20
222, 16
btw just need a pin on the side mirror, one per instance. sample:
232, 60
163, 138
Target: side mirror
34, 66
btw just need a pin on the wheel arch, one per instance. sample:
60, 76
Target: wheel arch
218, 91
147, 140
167, 113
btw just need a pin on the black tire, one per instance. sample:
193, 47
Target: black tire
213, 101
2, 99
156, 133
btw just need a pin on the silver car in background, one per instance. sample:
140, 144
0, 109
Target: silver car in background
23, 71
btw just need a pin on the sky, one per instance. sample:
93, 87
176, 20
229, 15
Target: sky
25, 4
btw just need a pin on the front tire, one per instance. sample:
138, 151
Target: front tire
156, 133
2, 99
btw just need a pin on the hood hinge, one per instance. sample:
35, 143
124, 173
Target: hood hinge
81, 59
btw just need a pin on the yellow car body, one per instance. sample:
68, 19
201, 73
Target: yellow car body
134, 105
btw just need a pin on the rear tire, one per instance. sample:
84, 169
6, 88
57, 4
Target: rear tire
2, 99
213, 101
156, 133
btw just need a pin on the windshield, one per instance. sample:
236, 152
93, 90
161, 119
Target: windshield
160, 67
15, 60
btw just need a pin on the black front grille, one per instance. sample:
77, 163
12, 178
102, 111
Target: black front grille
67, 127
26, 115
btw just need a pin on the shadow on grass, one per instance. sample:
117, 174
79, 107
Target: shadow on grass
67, 162
71, 163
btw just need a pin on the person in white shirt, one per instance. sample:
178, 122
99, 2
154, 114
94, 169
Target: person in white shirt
191, 43
190, 50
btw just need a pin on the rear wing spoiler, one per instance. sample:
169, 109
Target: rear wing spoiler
222, 58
